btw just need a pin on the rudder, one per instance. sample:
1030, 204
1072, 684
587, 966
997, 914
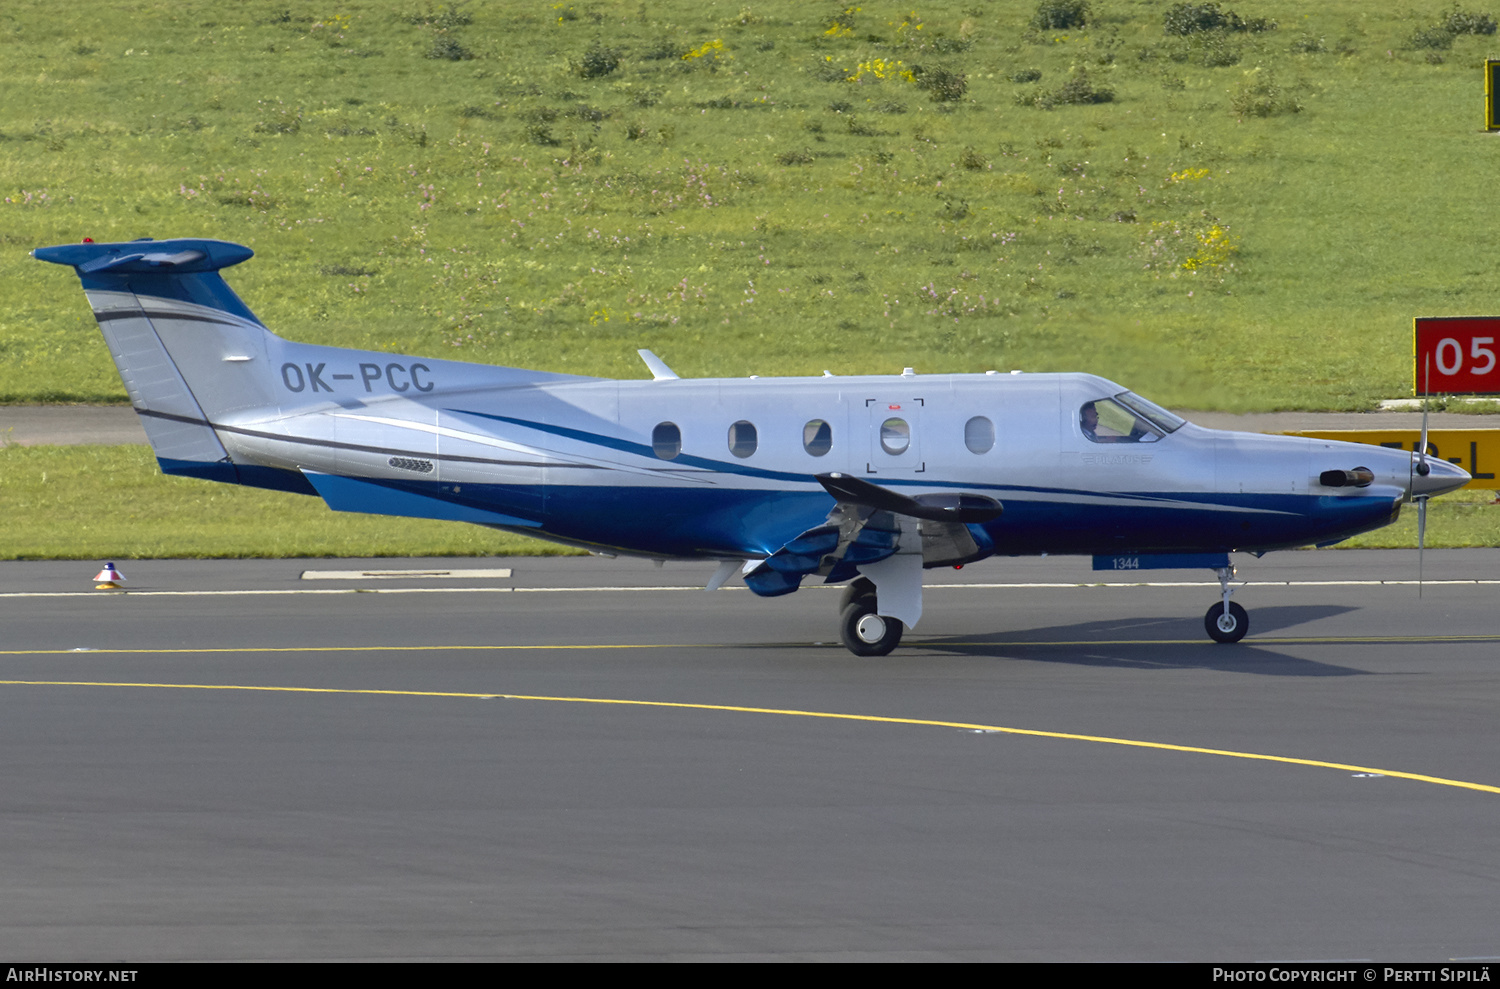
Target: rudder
161, 304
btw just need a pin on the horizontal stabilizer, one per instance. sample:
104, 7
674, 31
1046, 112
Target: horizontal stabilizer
945, 507
353, 494
178, 257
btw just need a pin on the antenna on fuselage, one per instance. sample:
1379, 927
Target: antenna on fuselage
658, 367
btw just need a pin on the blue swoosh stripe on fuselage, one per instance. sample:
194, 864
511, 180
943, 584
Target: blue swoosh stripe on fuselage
644, 450
725, 467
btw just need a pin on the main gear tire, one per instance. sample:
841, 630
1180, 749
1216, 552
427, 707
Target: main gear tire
866, 633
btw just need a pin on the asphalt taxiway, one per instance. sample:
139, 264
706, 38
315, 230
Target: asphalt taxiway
594, 759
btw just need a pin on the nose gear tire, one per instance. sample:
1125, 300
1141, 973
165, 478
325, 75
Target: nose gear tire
1226, 628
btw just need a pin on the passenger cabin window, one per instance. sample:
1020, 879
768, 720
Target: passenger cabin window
979, 435
1108, 420
666, 440
817, 437
742, 439
895, 436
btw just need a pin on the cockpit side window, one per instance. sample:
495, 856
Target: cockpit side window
1106, 420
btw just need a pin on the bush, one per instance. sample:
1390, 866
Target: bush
1026, 75
943, 85
1058, 15
829, 71
448, 49
1077, 91
802, 157
434, 15
597, 61
1218, 53
1438, 37
1450, 24
664, 50
1458, 21
539, 133
951, 46
1191, 18
1263, 98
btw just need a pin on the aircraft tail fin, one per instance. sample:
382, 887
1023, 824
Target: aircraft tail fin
172, 324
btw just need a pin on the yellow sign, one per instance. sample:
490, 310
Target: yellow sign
1475, 450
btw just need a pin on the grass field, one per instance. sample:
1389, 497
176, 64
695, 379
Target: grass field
107, 502
1240, 218
1249, 223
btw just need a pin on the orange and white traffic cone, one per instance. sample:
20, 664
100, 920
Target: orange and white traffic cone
108, 579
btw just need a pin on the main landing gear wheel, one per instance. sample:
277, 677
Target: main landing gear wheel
1226, 628
864, 632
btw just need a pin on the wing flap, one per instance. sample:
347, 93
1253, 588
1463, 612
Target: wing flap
865, 529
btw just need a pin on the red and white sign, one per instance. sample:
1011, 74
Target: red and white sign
1457, 355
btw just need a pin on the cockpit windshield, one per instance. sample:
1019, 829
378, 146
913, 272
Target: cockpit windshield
1125, 418
1164, 420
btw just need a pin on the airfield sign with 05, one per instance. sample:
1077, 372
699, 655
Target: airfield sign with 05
1456, 355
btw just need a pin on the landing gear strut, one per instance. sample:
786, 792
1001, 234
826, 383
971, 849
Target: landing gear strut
1226, 621
864, 632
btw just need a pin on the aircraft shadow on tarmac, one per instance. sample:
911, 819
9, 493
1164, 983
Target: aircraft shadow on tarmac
1153, 643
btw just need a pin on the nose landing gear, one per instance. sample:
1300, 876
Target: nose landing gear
1226, 621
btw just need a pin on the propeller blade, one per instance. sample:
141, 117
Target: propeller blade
1421, 539
1422, 467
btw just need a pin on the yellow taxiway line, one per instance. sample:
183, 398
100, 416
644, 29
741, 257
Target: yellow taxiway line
829, 715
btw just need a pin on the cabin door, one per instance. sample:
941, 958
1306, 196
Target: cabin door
895, 433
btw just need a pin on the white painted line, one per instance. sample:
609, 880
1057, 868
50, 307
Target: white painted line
340, 590
696, 587
1236, 583
494, 574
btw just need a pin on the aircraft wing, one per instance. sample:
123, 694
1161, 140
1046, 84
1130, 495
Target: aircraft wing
870, 524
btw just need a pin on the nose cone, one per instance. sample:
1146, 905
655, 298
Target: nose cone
1441, 478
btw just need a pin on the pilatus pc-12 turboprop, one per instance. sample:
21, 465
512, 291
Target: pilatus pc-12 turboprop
865, 479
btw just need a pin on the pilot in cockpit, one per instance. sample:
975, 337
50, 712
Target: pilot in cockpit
1108, 421
1088, 421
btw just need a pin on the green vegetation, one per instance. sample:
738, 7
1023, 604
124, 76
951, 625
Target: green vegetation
106, 502
1232, 207
1224, 208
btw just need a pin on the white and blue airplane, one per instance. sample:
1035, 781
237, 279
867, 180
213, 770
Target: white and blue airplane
863, 479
